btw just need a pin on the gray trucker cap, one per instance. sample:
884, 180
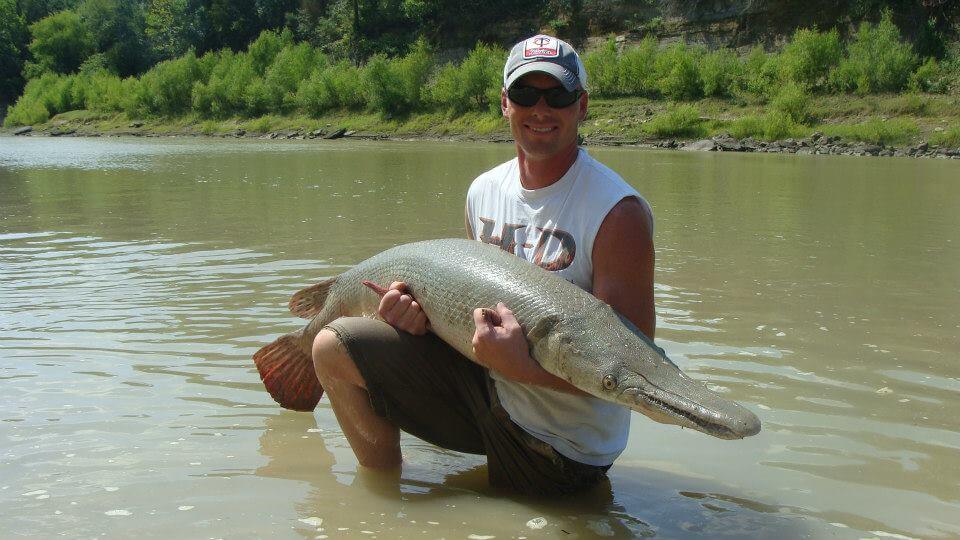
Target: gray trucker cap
545, 54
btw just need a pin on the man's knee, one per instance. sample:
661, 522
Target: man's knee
332, 361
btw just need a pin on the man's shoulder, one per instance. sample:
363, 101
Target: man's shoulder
495, 176
594, 168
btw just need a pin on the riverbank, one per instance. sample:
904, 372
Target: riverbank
919, 125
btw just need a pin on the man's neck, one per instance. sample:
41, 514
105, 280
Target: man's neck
536, 173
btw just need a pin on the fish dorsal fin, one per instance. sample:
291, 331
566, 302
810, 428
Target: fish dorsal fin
309, 301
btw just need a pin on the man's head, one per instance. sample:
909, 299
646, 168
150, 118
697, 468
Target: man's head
544, 96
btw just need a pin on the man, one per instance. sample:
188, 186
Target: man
557, 207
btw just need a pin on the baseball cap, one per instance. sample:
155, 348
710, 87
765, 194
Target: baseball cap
545, 54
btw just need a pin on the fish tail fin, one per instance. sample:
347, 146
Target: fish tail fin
308, 302
286, 369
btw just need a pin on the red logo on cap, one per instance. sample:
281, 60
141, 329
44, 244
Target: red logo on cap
539, 47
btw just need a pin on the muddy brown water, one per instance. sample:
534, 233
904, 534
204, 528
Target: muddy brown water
137, 278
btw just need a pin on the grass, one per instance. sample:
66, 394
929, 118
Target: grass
888, 119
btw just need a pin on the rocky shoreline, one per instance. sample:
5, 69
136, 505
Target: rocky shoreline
816, 144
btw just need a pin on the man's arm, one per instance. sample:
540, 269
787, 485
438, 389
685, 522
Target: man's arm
623, 261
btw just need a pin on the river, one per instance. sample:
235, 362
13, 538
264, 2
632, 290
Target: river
138, 277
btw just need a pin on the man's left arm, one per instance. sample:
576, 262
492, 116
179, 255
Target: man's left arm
623, 261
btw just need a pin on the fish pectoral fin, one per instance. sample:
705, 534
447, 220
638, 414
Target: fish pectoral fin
542, 328
287, 372
309, 301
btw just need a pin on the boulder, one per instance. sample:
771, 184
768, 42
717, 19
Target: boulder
23, 130
703, 145
336, 134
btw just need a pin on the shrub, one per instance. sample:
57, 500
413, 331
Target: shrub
166, 87
26, 112
225, 92
677, 73
106, 93
602, 71
678, 121
636, 73
45, 96
473, 85
950, 137
809, 56
747, 126
779, 125
793, 101
382, 86
932, 77
290, 67
877, 60
414, 70
264, 49
718, 70
876, 131
758, 77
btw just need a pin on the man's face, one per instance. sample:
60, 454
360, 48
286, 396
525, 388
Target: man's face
540, 130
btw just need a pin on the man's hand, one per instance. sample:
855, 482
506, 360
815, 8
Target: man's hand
399, 309
499, 343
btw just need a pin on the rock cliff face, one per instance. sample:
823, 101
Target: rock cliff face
741, 23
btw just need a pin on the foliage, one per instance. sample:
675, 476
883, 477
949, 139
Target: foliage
876, 61
13, 33
949, 137
759, 77
61, 42
875, 131
636, 73
473, 85
678, 121
172, 27
809, 56
118, 30
165, 89
677, 75
602, 70
718, 71
794, 102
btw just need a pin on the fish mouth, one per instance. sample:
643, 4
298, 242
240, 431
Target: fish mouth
717, 416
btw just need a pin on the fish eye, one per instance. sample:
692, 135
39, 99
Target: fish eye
609, 382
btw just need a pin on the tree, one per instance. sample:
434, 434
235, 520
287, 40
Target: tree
118, 30
173, 27
61, 42
13, 36
34, 10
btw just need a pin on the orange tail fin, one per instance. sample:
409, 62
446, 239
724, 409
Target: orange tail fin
287, 372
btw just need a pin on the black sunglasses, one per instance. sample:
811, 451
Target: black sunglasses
557, 97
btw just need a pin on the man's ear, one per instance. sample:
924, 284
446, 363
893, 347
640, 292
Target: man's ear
584, 100
503, 101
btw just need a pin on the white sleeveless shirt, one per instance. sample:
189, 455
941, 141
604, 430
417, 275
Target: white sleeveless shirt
554, 227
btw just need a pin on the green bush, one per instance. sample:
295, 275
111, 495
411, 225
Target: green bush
106, 93
636, 69
225, 93
26, 112
678, 121
718, 71
265, 48
876, 131
758, 77
809, 56
316, 95
602, 70
290, 67
793, 101
165, 89
779, 125
933, 77
61, 42
747, 126
949, 138
473, 85
877, 60
383, 87
46, 96
414, 71
677, 73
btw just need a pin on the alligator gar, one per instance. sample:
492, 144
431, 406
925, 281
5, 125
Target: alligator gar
571, 333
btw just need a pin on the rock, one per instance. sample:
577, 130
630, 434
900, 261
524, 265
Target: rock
729, 145
62, 132
136, 124
872, 149
23, 130
923, 147
336, 134
817, 135
239, 132
316, 133
703, 145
